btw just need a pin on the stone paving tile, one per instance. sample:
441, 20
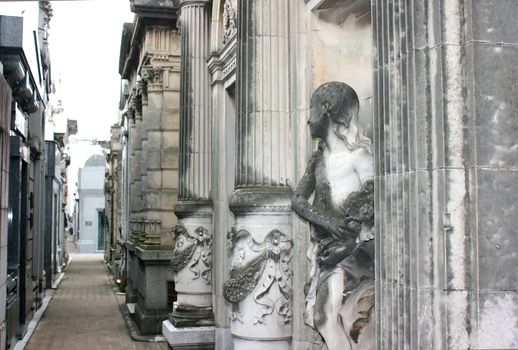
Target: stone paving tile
84, 313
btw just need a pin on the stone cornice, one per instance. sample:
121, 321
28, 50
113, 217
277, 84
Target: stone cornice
132, 41
261, 199
155, 8
193, 208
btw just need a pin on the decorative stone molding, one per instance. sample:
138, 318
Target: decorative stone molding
151, 238
261, 200
136, 230
230, 67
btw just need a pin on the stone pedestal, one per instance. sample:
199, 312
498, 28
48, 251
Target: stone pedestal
151, 308
133, 277
188, 338
192, 266
260, 282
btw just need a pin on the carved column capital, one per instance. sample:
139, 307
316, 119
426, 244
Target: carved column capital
131, 114
151, 77
185, 3
136, 103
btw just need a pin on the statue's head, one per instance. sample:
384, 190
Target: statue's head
332, 104
334, 108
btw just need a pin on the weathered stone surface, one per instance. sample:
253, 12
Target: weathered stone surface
497, 320
444, 140
492, 21
497, 213
496, 128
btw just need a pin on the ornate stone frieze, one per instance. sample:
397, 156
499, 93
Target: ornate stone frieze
266, 262
193, 252
229, 21
230, 67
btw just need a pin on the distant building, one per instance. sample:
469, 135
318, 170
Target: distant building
114, 240
91, 205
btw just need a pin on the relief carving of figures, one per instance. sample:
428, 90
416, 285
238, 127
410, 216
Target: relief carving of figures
266, 261
229, 20
340, 292
193, 252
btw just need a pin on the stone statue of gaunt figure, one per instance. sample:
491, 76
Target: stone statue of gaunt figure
340, 293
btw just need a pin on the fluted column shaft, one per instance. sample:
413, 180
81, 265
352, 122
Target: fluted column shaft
193, 233
261, 200
443, 169
195, 114
135, 194
262, 94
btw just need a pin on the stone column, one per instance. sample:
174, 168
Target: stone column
444, 126
135, 200
192, 261
260, 242
151, 162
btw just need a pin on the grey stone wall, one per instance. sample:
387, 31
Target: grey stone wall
5, 113
445, 167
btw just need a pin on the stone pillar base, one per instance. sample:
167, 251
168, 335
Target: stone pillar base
191, 316
154, 273
188, 338
254, 344
148, 321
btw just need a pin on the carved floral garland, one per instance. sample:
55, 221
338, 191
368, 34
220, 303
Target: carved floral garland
275, 253
191, 250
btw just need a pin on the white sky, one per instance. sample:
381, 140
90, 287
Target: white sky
84, 46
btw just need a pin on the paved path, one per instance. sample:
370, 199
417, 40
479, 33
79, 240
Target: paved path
84, 313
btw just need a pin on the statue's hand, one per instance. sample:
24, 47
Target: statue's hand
342, 230
332, 252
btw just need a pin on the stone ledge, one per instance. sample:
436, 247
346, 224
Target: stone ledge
188, 337
261, 199
154, 255
190, 208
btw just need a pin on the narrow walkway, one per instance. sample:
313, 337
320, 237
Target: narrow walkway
84, 313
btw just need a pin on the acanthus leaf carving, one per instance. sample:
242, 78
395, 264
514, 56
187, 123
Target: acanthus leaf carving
150, 76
